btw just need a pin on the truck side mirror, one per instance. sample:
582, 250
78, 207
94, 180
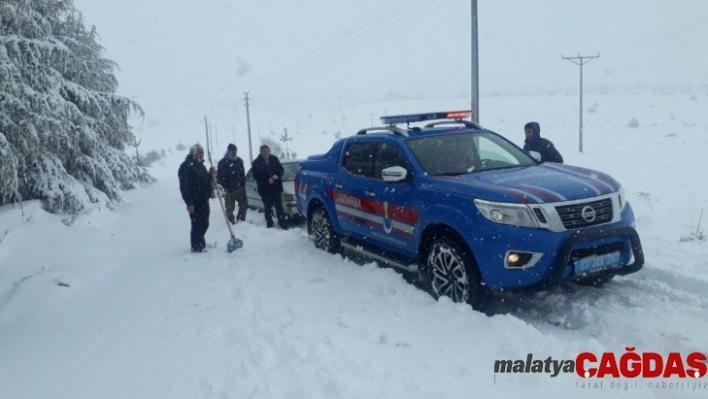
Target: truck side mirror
536, 155
394, 174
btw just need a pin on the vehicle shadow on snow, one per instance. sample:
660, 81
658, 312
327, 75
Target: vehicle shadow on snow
578, 308
583, 309
574, 307
557, 307
570, 306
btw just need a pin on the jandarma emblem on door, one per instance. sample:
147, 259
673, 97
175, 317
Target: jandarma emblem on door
387, 223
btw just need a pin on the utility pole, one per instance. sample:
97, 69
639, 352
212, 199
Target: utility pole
581, 60
475, 64
248, 121
284, 138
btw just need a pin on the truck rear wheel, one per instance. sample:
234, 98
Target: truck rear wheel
452, 272
322, 232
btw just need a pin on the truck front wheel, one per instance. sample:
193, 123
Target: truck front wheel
452, 273
323, 233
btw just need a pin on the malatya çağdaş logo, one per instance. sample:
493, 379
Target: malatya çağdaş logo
630, 364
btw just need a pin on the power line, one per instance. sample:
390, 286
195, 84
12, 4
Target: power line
653, 36
348, 37
332, 43
369, 36
375, 35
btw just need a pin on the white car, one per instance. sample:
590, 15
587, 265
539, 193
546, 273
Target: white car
290, 167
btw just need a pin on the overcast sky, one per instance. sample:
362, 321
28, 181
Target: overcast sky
210, 51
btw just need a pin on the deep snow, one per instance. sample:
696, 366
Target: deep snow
111, 304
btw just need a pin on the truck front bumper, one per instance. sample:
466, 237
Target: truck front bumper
561, 266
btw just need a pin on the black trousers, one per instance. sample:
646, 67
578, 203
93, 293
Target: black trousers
200, 225
271, 200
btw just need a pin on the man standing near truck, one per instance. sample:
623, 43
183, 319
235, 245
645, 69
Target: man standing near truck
268, 172
534, 142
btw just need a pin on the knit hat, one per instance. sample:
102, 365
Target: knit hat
231, 147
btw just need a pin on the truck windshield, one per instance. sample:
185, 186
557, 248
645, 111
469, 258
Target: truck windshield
460, 153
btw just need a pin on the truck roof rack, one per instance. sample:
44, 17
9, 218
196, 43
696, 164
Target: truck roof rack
392, 129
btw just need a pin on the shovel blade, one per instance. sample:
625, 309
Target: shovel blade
234, 244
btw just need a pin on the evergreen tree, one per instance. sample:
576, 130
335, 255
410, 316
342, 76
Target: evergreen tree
63, 128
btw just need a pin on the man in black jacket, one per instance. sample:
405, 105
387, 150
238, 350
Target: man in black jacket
195, 184
232, 177
268, 172
534, 142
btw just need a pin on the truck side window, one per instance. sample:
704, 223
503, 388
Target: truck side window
359, 158
389, 156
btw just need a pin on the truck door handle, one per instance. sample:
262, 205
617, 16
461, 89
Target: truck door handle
338, 186
370, 193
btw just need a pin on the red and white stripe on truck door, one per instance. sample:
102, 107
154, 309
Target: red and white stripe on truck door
389, 218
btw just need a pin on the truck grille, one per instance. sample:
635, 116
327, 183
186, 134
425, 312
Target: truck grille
585, 214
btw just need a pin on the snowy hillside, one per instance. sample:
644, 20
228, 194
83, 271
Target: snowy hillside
111, 304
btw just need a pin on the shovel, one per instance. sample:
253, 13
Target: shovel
234, 243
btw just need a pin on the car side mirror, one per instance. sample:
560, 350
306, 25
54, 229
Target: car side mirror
394, 174
536, 155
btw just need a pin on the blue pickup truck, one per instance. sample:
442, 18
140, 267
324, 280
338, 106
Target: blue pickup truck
471, 214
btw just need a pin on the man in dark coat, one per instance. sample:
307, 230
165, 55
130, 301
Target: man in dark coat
534, 142
232, 177
268, 172
195, 184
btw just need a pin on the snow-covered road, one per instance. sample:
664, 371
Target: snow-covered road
144, 318
113, 305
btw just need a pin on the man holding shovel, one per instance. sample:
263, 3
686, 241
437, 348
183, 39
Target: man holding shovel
231, 175
196, 188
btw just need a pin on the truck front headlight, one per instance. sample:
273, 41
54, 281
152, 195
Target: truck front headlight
505, 213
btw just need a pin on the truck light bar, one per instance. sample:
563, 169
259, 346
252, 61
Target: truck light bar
394, 119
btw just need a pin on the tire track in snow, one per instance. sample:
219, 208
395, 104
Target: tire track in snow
647, 310
664, 306
676, 280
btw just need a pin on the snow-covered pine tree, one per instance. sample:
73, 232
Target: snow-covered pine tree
63, 128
